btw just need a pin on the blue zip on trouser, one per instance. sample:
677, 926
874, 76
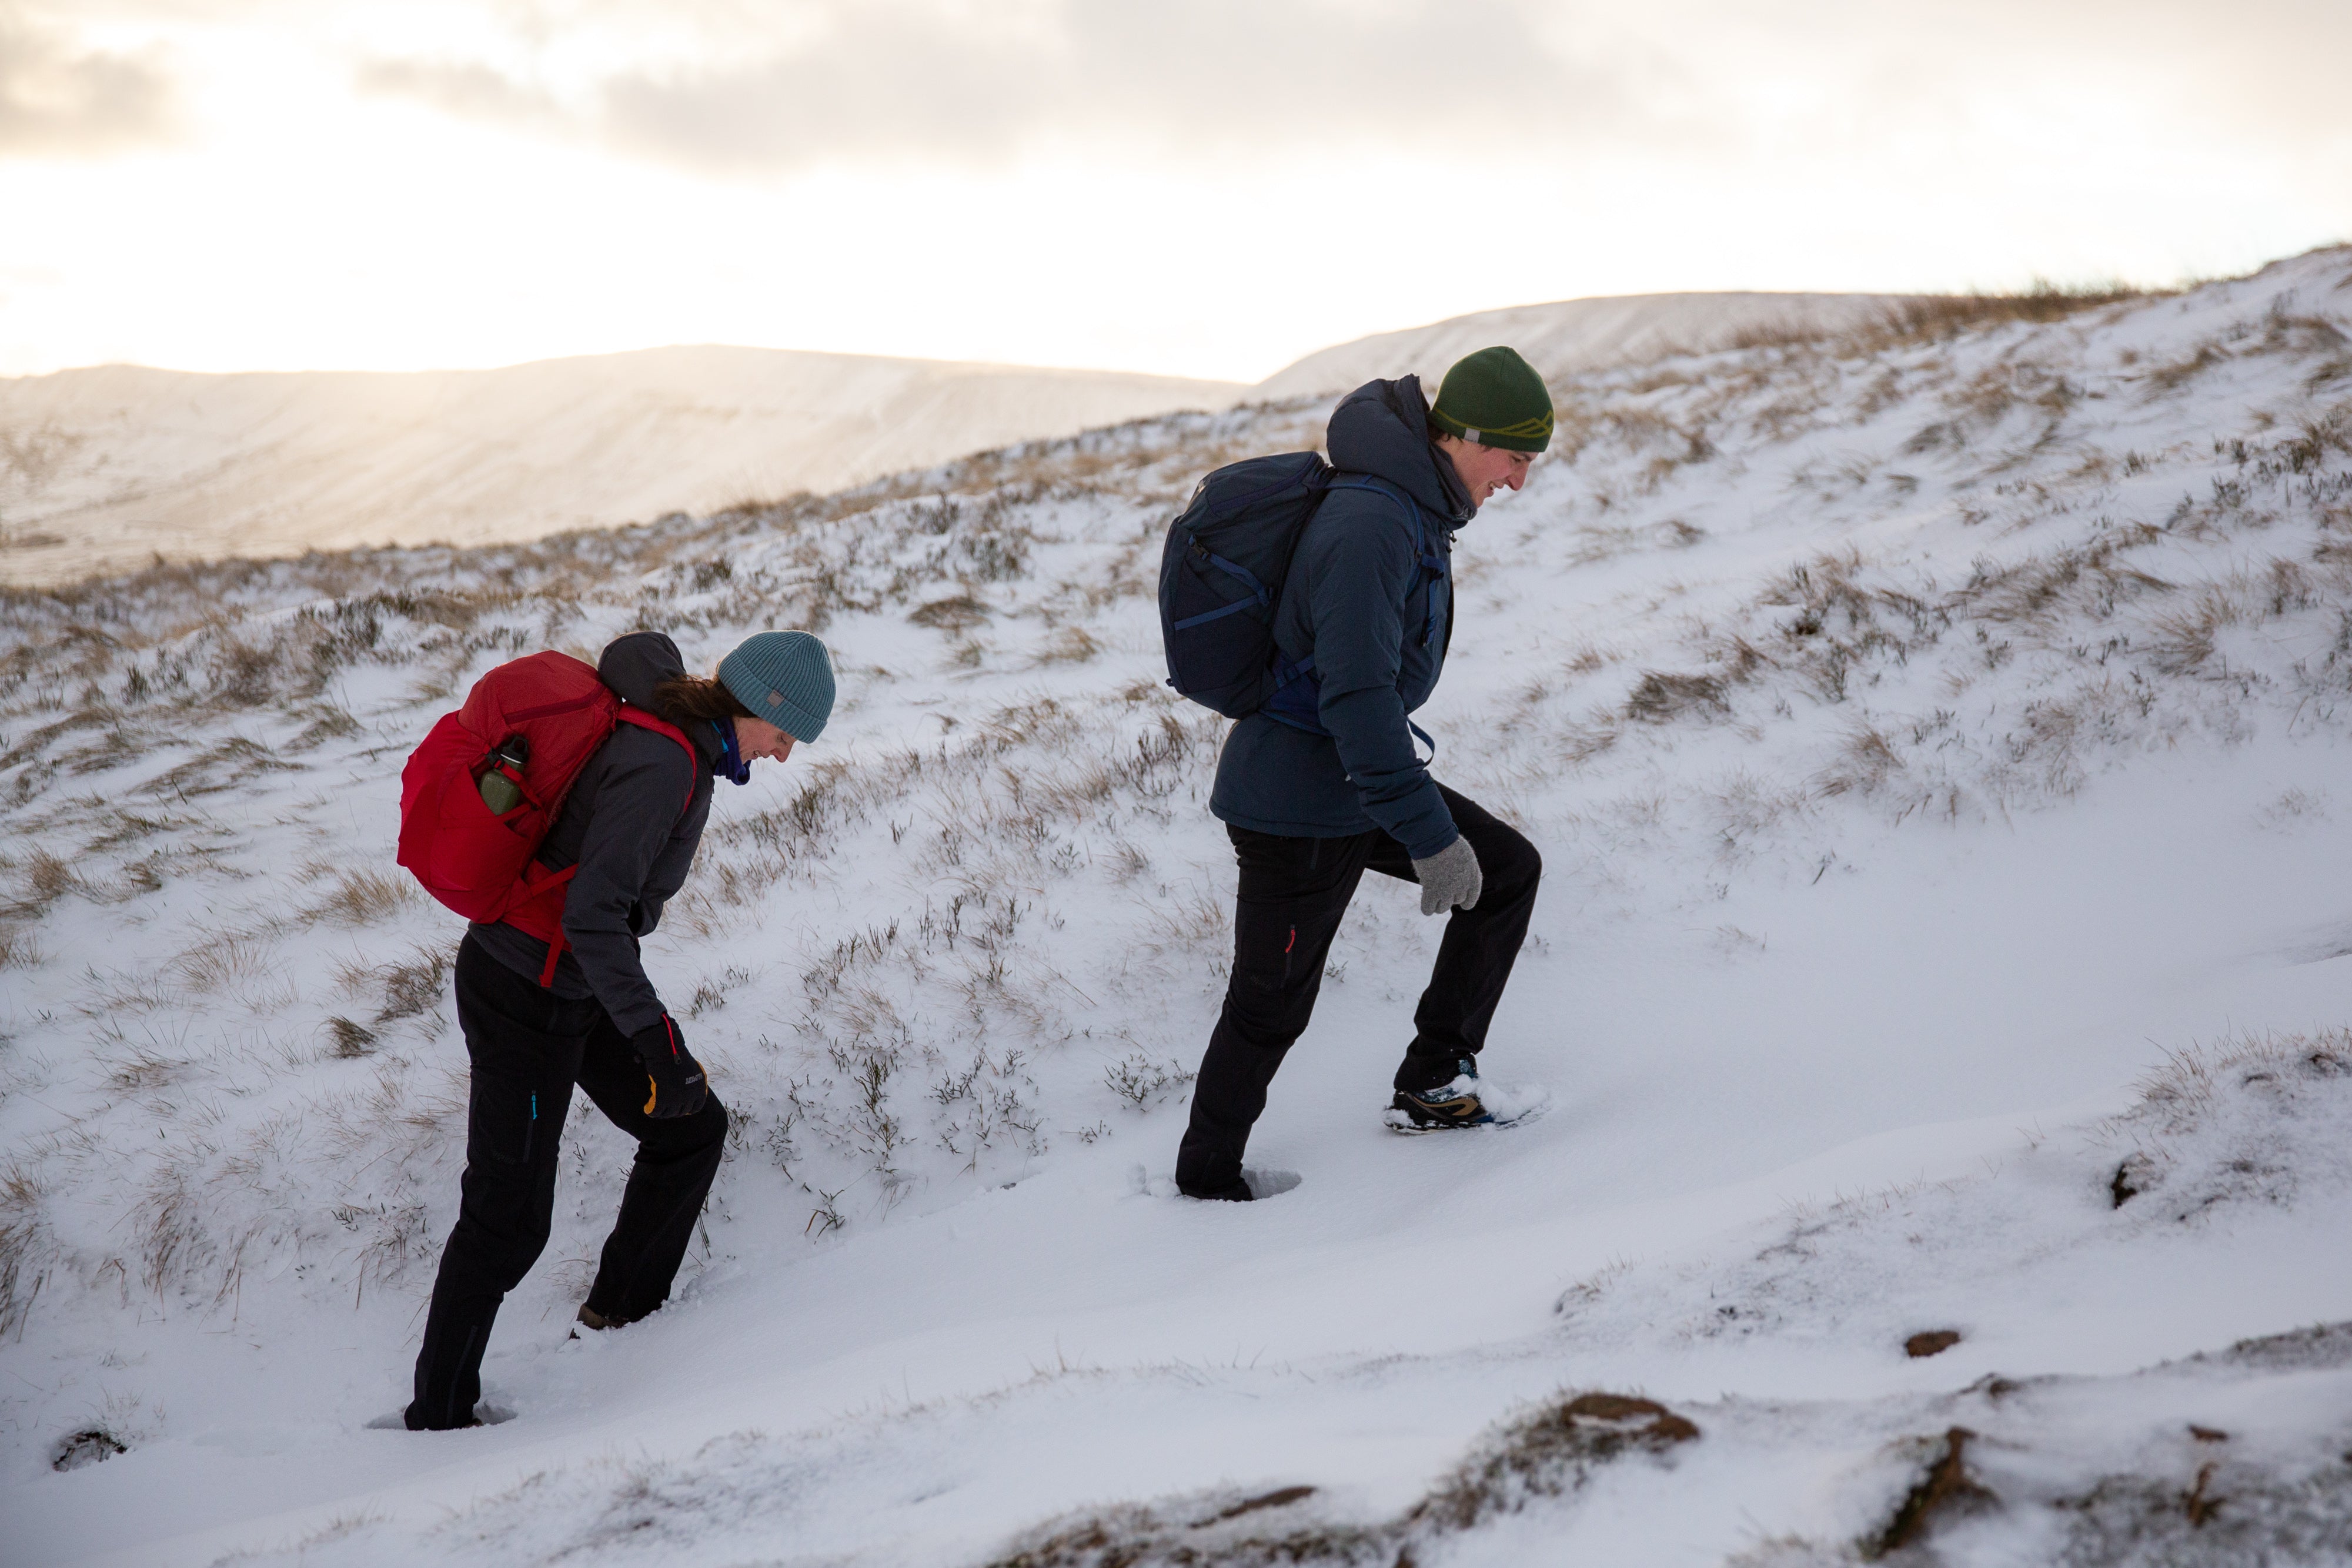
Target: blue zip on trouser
529, 1046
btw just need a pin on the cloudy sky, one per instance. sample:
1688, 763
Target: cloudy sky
1204, 187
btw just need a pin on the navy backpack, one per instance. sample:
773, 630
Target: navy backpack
1221, 575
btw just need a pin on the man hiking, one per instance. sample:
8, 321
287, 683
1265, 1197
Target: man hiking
555, 995
1324, 782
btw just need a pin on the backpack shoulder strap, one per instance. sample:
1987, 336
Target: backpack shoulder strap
553, 884
631, 714
1430, 558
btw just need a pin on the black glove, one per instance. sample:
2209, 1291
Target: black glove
674, 1078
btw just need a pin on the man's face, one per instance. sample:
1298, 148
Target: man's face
1485, 469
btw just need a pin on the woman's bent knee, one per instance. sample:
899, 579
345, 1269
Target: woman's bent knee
706, 1128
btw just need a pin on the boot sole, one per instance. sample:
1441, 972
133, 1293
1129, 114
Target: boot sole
1399, 1119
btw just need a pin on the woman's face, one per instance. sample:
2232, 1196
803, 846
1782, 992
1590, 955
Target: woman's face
758, 737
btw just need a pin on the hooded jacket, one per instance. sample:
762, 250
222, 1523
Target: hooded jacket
1376, 621
631, 823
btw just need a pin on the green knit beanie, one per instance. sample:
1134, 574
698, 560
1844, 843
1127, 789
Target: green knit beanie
784, 677
1495, 398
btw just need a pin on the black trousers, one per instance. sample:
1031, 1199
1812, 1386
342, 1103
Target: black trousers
1293, 893
529, 1047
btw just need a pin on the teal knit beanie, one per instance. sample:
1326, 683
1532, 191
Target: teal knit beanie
784, 677
1495, 398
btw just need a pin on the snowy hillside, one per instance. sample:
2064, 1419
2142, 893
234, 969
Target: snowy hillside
1935, 738
1571, 337
103, 468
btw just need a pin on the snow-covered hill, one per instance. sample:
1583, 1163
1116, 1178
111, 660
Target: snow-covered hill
104, 468
1570, 337
1936, 740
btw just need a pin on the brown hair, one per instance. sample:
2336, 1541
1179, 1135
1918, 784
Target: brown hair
684, 697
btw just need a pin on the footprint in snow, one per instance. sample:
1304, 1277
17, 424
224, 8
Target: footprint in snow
1141, 1183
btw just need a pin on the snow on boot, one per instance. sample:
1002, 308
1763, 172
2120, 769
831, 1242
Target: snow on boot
1467, 1101
1455, 1103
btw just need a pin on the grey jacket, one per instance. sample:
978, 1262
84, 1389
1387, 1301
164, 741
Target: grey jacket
1359, 600
631, 823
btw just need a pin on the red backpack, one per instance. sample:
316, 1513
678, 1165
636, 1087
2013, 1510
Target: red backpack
479, 862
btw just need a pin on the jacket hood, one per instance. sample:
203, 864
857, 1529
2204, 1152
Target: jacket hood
634, 665
1382, 429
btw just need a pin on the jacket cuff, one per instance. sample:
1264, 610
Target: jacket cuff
630, 1020
1419, 822
1438, 846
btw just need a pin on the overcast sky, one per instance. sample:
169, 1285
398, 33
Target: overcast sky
1202, 187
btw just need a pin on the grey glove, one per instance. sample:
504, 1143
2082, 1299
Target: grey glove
1449, 877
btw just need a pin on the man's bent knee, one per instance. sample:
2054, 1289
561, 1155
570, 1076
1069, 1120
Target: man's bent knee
1507, 859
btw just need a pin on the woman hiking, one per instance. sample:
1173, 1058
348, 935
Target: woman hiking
570, 1003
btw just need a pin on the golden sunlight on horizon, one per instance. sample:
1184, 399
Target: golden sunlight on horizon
260, 185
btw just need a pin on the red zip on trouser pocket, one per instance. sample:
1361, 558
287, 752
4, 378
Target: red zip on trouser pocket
653, 1089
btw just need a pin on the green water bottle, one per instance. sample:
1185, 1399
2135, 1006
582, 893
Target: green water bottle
500, 793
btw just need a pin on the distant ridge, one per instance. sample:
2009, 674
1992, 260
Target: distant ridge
1572, 335
103, 468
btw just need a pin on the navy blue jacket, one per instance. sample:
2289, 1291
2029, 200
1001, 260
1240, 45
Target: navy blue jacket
1375, 620
631, 823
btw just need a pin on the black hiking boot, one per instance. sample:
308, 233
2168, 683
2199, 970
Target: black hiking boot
1454, 1103
1237, 1191
590, 1317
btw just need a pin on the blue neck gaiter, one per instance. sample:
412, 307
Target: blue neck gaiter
730, 764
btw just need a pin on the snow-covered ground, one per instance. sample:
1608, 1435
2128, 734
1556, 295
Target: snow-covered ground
1937, 744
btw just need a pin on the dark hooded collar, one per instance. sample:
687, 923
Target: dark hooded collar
634, 665
1382, 429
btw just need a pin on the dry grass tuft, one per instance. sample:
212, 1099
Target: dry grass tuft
363, 898
142, 1070
1550, 1453
2218, 1124
1660, 697
223, 961
1223, 1529
1546, 1455
46, 879
1071, 646
413, 986
1863, 763
957, 613
1933, 317
92, 1445
1944, 1490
